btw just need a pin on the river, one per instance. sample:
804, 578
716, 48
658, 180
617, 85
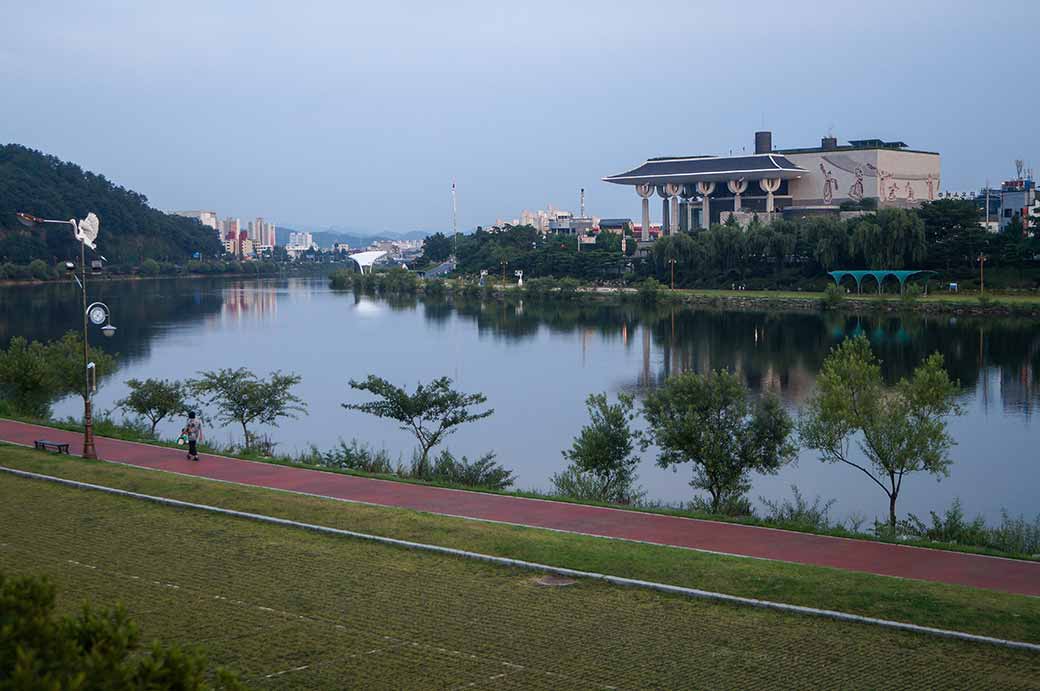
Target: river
537, 361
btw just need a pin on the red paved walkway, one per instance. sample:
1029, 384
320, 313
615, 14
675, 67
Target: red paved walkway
855, 555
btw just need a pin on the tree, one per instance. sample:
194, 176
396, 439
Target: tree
94, 649
605, 448
436, 248
34, 374
431, 413
898, 431
709, 421
155, 399
243, 398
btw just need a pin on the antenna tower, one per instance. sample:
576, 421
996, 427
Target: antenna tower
454, 225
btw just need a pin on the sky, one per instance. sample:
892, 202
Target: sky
359, 115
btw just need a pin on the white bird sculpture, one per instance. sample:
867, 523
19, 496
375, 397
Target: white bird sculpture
87, 230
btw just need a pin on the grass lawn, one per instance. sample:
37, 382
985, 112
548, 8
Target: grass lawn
931, 604
290, 609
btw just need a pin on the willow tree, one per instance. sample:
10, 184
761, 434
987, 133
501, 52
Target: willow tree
886, 433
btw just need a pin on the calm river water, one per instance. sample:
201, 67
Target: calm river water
536, 362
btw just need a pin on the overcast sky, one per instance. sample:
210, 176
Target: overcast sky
360, 114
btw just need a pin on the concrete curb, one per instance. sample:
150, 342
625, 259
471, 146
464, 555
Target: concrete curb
532, 566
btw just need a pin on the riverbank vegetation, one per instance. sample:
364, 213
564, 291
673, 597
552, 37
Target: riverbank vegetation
943, 235
707, 420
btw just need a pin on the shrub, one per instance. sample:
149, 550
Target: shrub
434, 287
150, 267
649, 291
833, 297
341, 279
93, 649
355, 456
483, 472
985, 300
950, 527
568, 288
910, 294
39, 270
734, 506
797, 513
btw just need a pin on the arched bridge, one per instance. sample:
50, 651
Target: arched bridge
879, 275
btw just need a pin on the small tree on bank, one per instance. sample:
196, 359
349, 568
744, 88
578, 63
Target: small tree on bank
709, 421
604, 449
431, 413
33, 374
243, 398
898, 431
155, 399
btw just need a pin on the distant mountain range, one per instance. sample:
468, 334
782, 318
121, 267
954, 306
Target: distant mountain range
355, 238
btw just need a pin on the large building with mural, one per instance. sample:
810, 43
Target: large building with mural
699, 190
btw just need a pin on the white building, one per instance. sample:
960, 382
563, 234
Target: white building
206, 218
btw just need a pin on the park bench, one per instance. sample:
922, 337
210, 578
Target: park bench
45, 445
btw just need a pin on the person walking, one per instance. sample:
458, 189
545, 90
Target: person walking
193, 431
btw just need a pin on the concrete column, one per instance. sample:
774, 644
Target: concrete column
688, 194
673, 219
769, 186
737, 188
666, 220
705, 189
645, 191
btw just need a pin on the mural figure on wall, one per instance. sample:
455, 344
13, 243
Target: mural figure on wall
892, 192
856, 190
883, 177
910, 192
830, 184
931, 187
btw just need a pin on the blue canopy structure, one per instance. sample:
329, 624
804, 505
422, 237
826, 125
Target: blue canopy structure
879, 275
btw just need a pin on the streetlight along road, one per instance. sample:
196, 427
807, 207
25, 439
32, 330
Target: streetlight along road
97, 313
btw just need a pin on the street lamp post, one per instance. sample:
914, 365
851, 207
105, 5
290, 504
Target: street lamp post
86, 232
982, 273
672, 262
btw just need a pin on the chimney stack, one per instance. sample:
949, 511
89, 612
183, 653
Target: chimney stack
763, 142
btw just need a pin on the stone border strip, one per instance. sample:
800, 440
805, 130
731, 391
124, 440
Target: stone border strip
545, 568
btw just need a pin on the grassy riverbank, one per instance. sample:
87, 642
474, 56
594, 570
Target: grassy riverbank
107, 428
931, 604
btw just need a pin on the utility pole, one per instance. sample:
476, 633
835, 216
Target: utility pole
982, 273
672, 262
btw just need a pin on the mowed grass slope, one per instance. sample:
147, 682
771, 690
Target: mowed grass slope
290, 609
959, 608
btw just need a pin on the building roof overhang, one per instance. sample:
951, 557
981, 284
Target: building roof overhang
660, 171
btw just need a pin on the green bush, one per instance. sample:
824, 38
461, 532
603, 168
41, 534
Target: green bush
341, 279
483, 472
39, 270
355, 456
435, 287
833, 297
649, 291
150, 267
568, 288
94, 649
911, 294
798, 514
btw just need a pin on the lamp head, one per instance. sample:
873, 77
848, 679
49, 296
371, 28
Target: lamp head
108, 330
28, 219
69, 266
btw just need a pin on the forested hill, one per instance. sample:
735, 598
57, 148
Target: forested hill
131, 231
